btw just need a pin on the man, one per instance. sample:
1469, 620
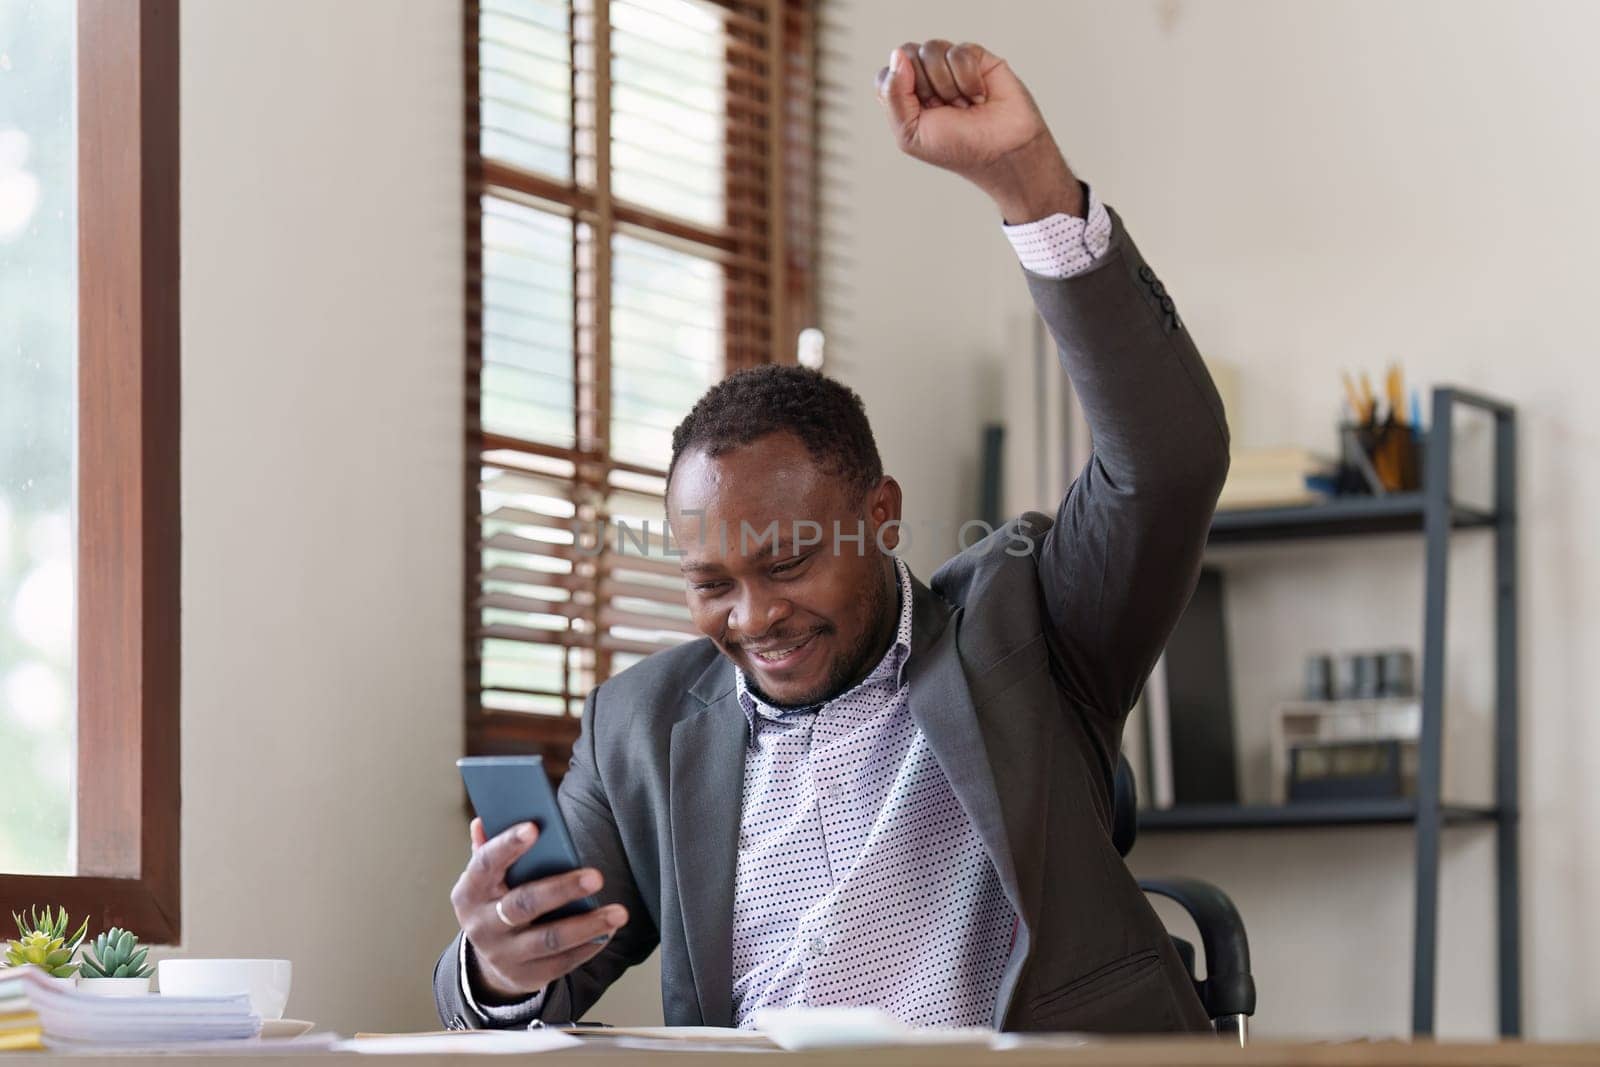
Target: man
857, 789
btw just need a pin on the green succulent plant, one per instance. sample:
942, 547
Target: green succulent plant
43, 942
116, 954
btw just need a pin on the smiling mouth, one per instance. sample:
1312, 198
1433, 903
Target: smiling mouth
781, 654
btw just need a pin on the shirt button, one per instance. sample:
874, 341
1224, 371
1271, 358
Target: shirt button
818, 946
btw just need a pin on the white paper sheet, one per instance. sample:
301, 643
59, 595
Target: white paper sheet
470, 1041
797, 1029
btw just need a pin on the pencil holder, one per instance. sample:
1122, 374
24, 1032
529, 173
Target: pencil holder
1380, 458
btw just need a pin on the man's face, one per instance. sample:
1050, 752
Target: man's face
804, 615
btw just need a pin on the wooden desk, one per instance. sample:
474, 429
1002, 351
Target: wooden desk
1174, 1052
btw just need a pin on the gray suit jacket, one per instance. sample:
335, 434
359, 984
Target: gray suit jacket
1022, 671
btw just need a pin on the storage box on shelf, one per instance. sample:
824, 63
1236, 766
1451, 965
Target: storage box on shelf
1307, 721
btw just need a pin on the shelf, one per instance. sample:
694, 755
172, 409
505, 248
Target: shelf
1339, 517
1284, 816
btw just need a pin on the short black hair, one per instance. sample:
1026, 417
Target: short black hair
827, 416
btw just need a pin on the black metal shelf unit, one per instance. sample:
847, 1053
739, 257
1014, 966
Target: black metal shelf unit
1434, 513
1303, 814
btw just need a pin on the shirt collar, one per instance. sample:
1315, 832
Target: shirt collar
893, 664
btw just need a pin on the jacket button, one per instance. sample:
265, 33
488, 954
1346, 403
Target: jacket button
1146, 274
1167, 305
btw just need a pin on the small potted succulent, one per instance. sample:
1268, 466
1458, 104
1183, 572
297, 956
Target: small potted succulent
43, 942
115, 966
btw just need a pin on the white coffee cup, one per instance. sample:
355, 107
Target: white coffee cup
267, 981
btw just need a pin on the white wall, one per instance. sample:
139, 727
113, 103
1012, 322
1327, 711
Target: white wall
322, 467
1321, 186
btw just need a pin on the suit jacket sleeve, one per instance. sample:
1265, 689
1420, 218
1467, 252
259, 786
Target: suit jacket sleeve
585, 806
1121, 560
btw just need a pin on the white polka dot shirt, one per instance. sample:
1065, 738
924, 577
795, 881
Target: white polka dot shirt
860, 879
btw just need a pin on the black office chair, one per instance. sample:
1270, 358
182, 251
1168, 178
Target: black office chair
1228, 992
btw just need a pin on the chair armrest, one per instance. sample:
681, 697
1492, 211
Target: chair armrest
1228, 988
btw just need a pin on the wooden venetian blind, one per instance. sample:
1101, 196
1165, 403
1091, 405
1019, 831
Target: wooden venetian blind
641, 221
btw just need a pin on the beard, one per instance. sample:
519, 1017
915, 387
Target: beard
854, 663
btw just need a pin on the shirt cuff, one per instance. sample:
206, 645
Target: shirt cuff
1061, 245
524, 1011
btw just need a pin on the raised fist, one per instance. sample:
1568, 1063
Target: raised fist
961, 108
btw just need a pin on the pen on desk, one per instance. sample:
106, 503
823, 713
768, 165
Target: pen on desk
1395, 388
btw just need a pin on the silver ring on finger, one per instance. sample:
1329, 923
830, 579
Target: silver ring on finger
499, 910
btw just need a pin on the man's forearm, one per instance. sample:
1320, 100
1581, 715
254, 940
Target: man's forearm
1034, 183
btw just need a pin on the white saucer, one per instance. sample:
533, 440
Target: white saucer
273, 1028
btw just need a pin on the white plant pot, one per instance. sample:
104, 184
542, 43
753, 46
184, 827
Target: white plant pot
114, 987
65, 983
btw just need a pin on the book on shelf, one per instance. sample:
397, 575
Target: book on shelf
1276, 477
1147, 741
1199, 696
1179, 737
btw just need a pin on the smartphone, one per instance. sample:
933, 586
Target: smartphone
507, 790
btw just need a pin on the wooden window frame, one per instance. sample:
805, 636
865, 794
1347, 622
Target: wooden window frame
761, 321
127, 492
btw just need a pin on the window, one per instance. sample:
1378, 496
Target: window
37, 316
89, 460
640, 222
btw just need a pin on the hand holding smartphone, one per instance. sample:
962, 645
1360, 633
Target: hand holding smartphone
507, 790
526, 907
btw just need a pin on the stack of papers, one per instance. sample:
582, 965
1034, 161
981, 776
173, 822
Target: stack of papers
38, 1012
19, 1028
